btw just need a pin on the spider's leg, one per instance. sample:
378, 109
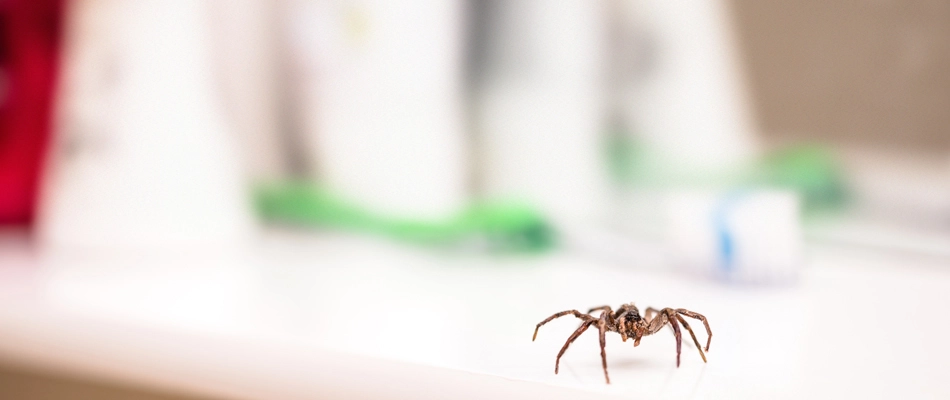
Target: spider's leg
578, 332
657, 323
602, 326
648, 313
605, 308
576, 313
693, 335
679, 339
700, 317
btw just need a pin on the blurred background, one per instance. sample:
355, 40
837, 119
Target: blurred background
714, 141
151, 124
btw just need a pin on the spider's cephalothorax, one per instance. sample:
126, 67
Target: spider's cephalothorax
629, 324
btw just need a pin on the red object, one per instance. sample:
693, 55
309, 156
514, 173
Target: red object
30, 37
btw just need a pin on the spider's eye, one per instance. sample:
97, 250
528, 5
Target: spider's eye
632, 317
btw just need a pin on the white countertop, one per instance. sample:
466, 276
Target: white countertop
295, 316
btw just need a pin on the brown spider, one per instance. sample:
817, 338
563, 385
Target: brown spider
627, 322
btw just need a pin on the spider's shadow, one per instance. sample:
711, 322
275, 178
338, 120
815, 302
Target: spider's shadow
625, 364
632, 364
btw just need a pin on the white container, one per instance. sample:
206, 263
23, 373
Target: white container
142, 157
752, 236
689, 104
380, 101
246, 50
541, 107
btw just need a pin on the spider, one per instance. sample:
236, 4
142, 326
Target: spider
627, 322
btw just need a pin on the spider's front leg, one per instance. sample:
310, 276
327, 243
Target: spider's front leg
576, 313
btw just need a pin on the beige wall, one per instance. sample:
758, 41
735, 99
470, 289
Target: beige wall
871, 72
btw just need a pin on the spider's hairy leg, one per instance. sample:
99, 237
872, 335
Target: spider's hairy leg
605, 308
576, 313
693, 335
648, 313
679, 340
602, 326
578, 332
700, 317
656, 323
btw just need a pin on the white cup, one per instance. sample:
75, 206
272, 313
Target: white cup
748, 236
